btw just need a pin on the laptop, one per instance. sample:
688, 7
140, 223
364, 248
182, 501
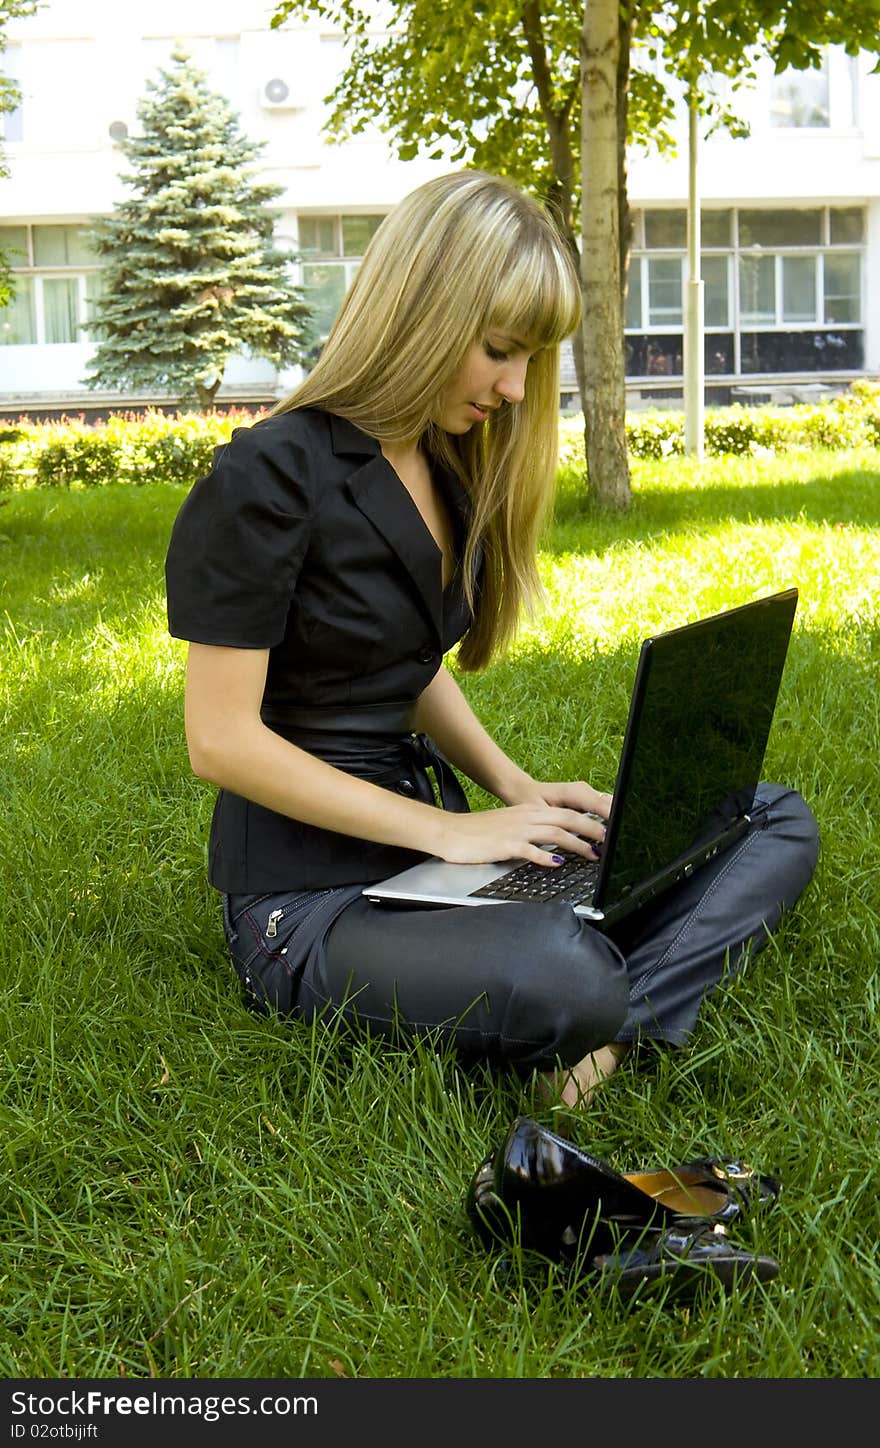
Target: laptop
693, 752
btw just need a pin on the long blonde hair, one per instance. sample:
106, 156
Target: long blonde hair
463, 255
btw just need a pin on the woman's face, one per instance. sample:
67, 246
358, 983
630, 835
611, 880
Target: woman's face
494, 371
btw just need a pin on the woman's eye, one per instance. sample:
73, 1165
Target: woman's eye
495, 354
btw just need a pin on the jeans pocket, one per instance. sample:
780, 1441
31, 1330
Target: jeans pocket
234, 907
261, 970
259, 930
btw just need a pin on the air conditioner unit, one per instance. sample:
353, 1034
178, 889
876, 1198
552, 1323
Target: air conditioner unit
277, 95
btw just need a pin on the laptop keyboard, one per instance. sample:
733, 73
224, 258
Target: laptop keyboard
574, 881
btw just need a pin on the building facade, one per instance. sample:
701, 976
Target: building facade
790, 217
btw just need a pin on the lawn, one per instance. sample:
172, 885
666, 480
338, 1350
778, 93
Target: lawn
191, 1190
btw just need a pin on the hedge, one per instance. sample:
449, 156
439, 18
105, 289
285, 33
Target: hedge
128, 448
158, 447
850, 420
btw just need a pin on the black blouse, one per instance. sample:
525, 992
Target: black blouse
303, 540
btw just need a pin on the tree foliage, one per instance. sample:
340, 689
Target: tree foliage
500, 84
10, 96
491, 82
193, 274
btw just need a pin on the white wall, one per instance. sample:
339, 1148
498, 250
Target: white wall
84, 64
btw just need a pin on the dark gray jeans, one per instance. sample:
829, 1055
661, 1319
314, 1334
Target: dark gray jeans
527, 985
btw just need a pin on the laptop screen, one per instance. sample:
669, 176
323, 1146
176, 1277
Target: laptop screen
704, 701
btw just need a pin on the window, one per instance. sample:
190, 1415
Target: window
798, 289
664, 291
666, 282
715, 228
325, 288
780, 228
847, 225
633, 313
61, 309
357, 233
14, 241
317, 236
61, 246
665, 228
799, 98
803, 351
56, 276
716, 302
757, 289
782, 290
17, 319
842, 287
331, 248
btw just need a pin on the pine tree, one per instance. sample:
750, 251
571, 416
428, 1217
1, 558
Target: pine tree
192, 275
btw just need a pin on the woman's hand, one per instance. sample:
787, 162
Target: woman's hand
572, 794
563, 816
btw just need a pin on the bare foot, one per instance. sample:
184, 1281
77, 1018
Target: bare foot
575, 1085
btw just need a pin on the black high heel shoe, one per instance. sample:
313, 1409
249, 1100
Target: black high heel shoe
682, 1259
562, 1197
708, 1186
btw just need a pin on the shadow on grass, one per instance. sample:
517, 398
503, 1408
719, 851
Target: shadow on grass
848, 498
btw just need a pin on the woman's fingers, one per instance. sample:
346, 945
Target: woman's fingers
523, 832
572, 844
577, 795
573, 829
585, 823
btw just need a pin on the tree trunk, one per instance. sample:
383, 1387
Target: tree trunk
604, 370
206, 394
577, 339
557, 119
624, 64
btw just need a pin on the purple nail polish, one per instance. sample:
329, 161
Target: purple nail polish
558, 859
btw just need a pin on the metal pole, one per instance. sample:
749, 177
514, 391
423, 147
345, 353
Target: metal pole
694, 366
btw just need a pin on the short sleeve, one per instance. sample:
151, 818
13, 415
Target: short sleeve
239, 539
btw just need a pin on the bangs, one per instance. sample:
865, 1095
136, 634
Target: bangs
538, 298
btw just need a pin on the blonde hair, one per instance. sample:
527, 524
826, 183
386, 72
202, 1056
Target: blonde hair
463, 255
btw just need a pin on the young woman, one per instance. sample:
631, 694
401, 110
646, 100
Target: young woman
386, 511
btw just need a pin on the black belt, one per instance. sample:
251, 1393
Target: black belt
396, 716
370, 740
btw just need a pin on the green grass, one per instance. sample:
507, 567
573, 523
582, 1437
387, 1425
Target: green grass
193, 1191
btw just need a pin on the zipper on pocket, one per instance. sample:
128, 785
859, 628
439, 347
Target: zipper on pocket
299, 903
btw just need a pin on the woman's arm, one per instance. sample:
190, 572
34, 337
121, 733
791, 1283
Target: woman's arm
444, 713
231, 747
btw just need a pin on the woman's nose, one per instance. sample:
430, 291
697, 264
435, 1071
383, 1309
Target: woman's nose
511, 384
